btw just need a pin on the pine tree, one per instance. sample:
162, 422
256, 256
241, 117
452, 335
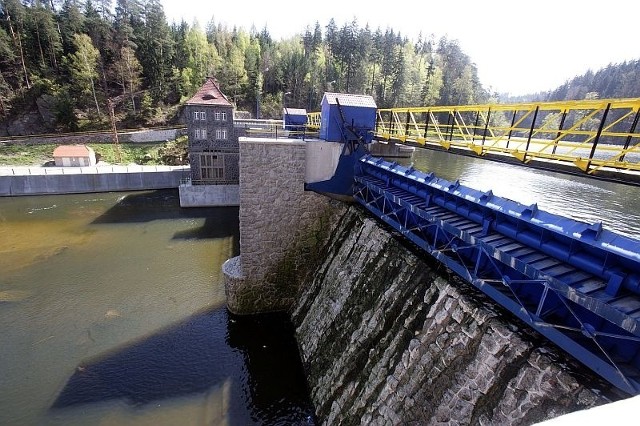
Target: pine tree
14, 16
83, 67
155, 49
71, 22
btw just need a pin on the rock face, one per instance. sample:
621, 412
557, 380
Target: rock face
28, 123
40, 119
387, 337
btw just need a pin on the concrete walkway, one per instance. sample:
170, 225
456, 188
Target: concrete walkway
99, 169
104, 178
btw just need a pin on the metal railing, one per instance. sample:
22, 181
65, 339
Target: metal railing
107, 133
313, 121
590, 134
86, 170
274, 129
190, 181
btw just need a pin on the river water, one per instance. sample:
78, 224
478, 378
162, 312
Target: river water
112, 312
112, 305
616, 205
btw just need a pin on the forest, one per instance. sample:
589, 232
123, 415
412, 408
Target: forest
85, 56
81, 60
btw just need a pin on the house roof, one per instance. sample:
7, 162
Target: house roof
294, 111
348, 99
209, 94
72, 151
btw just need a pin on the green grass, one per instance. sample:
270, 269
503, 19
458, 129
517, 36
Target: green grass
26, 155
127, 153
40, 154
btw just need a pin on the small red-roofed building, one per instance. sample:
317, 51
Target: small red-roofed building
74, 156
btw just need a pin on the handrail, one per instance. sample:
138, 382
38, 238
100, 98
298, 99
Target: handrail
313, 121
587, 134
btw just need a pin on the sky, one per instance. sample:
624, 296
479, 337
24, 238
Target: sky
518, 47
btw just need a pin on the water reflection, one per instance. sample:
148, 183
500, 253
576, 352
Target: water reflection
616, 205
277, 386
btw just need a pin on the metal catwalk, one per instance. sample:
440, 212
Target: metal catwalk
576, 283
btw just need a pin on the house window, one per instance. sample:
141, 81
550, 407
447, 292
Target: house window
201, 134
211, 166
200, 115
224, 116
217, 115
221, 134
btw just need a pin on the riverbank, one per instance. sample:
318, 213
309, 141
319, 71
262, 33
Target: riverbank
170, 153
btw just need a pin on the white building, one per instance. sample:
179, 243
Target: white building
74, 156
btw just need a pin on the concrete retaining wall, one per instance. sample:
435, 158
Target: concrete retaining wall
152, 135
60, 180
138, 136
209, 195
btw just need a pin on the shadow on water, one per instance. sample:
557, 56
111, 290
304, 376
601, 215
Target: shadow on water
158, 205
276, 380
219, 226
257, 355
220, 222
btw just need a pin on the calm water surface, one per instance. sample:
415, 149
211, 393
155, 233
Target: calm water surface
112, 305
617, 206
112, 312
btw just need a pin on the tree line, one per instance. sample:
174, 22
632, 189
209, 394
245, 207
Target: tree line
92, 55
619, 80
613, 81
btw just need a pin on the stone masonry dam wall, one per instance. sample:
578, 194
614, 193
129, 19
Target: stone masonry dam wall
386, 334
388, 337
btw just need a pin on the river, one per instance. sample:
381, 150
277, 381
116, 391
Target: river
112, 311
112, 305
590, 200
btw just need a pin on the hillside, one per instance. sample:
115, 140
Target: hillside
63, 63
613, 81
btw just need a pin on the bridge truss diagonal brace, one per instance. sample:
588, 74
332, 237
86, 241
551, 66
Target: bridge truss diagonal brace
491, 271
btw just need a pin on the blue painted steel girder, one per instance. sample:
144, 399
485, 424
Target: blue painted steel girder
574, 283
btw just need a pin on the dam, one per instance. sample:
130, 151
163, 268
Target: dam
386, 334
368, 370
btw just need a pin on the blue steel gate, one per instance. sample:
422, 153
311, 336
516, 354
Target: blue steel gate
575, 283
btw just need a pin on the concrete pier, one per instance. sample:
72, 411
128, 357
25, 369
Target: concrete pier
281, 226
209, 195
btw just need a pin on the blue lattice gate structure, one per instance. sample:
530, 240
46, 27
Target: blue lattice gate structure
576, 283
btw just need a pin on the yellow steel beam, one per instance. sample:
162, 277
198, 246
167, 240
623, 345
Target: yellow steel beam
313, 121
584, 140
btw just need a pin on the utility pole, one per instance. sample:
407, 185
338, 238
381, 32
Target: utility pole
114, 129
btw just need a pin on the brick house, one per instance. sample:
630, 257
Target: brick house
213, 144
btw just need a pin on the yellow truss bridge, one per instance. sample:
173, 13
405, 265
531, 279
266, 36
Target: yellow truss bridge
592, 135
